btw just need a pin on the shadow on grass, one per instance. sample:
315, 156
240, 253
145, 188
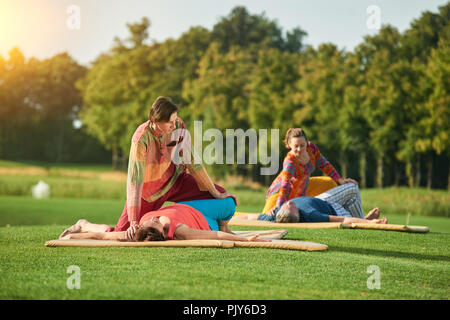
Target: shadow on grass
392, 254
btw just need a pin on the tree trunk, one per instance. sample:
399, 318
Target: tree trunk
115, 162
380, 172
60, 142
448, 178
123, 162
397, 173
409, 173
267, 180
251, 172
429, 171
343, 162
418, 173
362, 170
255, 175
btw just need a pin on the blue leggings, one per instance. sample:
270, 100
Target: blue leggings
214, 210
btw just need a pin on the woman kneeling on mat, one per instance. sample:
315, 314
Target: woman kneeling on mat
189, 220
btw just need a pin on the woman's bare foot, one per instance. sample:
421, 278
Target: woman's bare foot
76, 228
223, 226
256, 239
379, 221
373, 214
248, 216
66, 237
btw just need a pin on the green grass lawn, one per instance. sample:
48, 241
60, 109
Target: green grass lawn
413, 266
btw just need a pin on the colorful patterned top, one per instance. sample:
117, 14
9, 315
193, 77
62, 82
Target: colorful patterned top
156, 161
293, 180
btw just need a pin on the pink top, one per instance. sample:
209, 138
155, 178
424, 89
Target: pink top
179, 213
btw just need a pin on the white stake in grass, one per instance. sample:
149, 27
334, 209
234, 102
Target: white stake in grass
41, 190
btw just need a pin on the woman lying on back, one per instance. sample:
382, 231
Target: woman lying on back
190, 220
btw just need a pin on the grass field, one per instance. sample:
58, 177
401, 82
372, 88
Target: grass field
412, 266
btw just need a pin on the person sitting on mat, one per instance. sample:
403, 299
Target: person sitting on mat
298, 165
309, 209
189, 220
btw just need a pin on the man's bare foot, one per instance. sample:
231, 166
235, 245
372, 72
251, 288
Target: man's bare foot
373, 214
76, 228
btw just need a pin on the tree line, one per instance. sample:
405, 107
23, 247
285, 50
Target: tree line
379, 113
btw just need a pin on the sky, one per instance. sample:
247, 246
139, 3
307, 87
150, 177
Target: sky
43, 28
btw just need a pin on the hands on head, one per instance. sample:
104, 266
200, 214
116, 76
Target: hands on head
132, 229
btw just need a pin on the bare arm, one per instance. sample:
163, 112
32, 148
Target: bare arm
97, 235
183, 232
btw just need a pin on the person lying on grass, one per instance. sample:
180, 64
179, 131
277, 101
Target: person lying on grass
309, 209
190, 220
346, 201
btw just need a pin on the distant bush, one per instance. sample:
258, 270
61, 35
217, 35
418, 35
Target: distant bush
416, 201
62, 187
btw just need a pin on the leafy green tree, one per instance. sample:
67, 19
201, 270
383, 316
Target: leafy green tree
418, 41
219, 95
386, 94
273, 94
240, 28
118, 91
18, 117
54, 91
181, 59
294, 40
435, 125
138, 35
272, 91
109, 102
353, 126
121, 85
322, 90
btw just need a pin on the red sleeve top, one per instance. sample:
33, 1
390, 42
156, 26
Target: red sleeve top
179, 213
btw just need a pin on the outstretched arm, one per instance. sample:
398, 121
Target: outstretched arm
97, 236
348, 220
183, 232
